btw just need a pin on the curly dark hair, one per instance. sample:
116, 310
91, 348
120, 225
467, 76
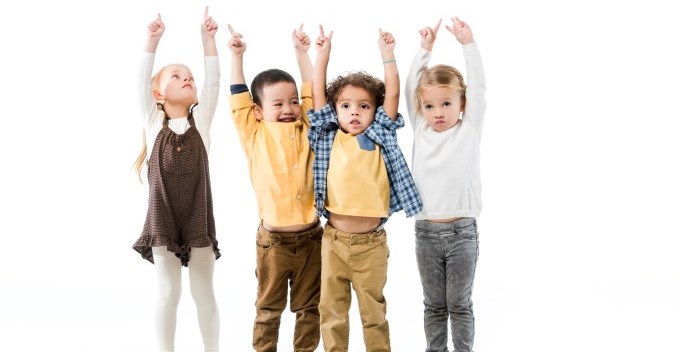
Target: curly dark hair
267, 78
360, 79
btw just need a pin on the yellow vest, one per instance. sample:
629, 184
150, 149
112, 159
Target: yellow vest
357, 182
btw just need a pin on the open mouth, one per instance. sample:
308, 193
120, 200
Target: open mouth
287, 119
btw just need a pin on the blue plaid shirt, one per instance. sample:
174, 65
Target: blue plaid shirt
383, 132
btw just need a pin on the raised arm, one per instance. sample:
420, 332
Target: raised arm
208, 30
154, 31
418, 65
475, 93
301, 43
237, 47
386, 43
323, 53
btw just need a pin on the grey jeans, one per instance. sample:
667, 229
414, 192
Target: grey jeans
447, 258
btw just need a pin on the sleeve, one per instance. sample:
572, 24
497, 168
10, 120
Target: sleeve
306, 102
149, 108
243, 114
205, 111
418, 66
475, 94
384, 121
317, 123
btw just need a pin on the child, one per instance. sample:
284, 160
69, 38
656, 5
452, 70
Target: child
360, 179
447, 123
272, 126
180, 228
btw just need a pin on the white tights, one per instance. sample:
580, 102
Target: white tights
201, 267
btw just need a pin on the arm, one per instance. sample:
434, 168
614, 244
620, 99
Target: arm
301, 44
211, 87
476, 85
323, 52
419, 64
237, 47
386, 43
240, 100
155, 31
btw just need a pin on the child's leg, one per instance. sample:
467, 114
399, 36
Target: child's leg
369, 275
169, 291
274, 263
461, 263
431, 246
201, 268
305, 289
335, 291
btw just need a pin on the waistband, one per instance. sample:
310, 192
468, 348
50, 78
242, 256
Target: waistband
378, 234
444, 226
291, 237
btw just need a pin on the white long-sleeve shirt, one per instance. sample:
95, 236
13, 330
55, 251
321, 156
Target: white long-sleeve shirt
446, 164
152, 118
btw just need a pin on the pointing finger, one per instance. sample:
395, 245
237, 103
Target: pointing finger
436, 28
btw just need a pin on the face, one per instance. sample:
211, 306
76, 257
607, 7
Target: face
280, 103
356, 110
441, 107
177, 86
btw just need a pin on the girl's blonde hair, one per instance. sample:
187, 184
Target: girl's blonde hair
441, 76
155, 86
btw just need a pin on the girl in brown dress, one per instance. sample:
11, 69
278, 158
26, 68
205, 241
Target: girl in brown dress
180, 229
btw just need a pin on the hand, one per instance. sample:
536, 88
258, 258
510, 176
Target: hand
156, 28
386, 43
236, 44
208, 26
428, 35
461, 31
323, 42
301, 41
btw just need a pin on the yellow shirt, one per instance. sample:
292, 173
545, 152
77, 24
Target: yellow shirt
357, 179
279, 160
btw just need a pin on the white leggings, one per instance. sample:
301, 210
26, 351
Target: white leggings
201, 267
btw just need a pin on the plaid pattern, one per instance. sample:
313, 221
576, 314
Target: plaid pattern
383, 131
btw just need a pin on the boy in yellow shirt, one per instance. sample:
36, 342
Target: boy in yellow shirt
272, 127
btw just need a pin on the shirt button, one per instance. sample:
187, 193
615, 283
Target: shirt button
292, 136
295, 166
179, 149
298, 196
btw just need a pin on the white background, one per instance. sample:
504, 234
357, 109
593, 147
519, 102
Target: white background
579, 232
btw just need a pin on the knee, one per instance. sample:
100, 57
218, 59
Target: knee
170, 294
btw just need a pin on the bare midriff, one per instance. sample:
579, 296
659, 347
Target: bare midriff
445, 220
290, 228
354, 224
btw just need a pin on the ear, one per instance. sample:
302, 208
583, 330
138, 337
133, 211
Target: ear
258, 111
158, 96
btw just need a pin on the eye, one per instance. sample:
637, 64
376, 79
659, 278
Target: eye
344, 106
295, 102
174, 75
365, 106
278, 104
447, 103
427, 106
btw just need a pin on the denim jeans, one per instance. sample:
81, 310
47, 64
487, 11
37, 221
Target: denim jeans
447, 258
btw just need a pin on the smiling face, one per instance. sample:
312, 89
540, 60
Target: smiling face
175, 86
279, 103
441, 107
355, 108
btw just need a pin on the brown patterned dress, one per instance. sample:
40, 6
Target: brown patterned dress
180, 214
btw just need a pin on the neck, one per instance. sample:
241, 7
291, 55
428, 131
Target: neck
174, 111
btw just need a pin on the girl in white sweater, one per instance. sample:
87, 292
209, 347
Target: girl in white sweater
447, 117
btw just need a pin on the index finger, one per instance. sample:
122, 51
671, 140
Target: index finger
436, 28
231, 30
159, 17
205, 14
321, 31
300, 28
